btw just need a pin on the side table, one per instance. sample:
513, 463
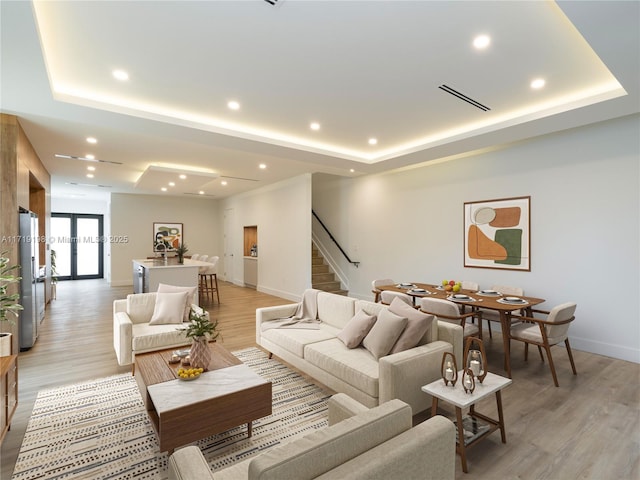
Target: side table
475, 426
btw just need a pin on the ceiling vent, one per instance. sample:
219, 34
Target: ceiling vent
464, 98
85, 159
271, 2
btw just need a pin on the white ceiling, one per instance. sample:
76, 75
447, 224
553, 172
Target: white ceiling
361, 69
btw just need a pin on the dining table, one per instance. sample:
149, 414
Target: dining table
485, 299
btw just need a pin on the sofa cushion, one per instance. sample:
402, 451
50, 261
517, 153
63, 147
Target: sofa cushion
169, 308
295, 339
156, 337
356, 366
335, 310
191, 293
417, 325
324, 449
384, 333
356, 329
140, 306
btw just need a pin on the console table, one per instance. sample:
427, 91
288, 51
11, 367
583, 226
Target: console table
8, 392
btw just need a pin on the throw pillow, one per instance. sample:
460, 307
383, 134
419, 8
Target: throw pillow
418, 323
169, 308
356, 329
384, 333
191, 293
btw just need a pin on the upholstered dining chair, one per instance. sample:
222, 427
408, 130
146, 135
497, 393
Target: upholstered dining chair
546, 332
448, 311
376, 291
505, 290
387, 296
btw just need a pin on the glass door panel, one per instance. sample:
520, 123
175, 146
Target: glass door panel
88, 246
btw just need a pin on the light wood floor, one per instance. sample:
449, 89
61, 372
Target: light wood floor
589, 428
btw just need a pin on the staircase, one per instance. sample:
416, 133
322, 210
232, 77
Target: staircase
322, 277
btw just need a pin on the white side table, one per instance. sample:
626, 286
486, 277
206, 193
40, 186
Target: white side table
475, 426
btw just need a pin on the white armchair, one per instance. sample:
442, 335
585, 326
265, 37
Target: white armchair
146, 322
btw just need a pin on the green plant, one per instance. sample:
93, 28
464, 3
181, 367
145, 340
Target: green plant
200, 325
54, 272
8, 302
182, 249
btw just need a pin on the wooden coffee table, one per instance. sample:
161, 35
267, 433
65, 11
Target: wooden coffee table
227, 395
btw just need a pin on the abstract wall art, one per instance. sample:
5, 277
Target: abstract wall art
166, 237
497, 234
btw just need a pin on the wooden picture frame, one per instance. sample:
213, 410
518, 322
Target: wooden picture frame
497, 234
167, 237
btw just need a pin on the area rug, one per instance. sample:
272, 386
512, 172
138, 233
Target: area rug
100, 429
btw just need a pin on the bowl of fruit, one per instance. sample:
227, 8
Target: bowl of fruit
451, 286
187, 374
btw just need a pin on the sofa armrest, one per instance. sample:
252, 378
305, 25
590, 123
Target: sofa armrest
267, 314
402, 374
122, 338
342, 406
425, 452
188, 463
453, 334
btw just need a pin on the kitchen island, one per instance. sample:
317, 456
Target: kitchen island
149, 273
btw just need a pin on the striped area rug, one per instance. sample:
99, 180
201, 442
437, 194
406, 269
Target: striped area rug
100, 429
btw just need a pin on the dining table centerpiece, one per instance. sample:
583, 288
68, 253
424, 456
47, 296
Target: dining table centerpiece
201, 330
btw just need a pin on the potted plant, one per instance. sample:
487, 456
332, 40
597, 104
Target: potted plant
8, 301
201, 331
54, 274
181, 250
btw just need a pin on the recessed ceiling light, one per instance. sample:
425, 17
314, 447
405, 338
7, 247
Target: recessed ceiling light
538, 83
315, 126
352, 170
262, 166
223, 182
373, 141
481, 41
88, 156
120, 75
233, 105
164, 189
172, 184
183, 176
201, 192
90, 175
92, 140
91, 169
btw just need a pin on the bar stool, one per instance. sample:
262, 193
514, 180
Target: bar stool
208, 276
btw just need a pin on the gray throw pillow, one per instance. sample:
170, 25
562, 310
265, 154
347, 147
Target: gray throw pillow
356, 329
384, 333
418, 323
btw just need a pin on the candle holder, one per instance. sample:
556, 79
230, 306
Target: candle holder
468, 381
449, 369
475, 358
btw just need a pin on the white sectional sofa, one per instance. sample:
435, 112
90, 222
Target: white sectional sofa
358, 444
355, 371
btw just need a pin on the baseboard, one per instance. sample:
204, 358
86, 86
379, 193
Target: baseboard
279, 293
607, 349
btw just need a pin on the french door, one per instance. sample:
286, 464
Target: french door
77, 240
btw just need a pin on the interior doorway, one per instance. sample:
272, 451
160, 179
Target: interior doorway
78, 242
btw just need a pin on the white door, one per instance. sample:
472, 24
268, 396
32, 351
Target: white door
228, 245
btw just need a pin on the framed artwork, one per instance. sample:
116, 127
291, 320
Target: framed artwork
497, 234
166, 237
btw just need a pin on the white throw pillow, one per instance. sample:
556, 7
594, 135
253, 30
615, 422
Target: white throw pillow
169, 308
191, 293
356, 329
384, 333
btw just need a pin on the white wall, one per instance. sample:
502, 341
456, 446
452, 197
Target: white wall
282, 213
133, 216
584, 186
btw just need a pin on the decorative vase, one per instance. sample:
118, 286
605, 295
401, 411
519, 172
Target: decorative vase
200, 353
180, 259
5, 344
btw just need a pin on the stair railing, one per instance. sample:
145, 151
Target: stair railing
334, 240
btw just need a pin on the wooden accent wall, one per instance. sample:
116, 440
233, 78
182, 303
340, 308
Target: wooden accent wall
24, 182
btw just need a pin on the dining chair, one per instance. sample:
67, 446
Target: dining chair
504, 290
376, 291
387, 296
448, 311
469, 285
544, 333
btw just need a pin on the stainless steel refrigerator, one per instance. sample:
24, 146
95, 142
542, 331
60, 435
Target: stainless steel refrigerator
30, 295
